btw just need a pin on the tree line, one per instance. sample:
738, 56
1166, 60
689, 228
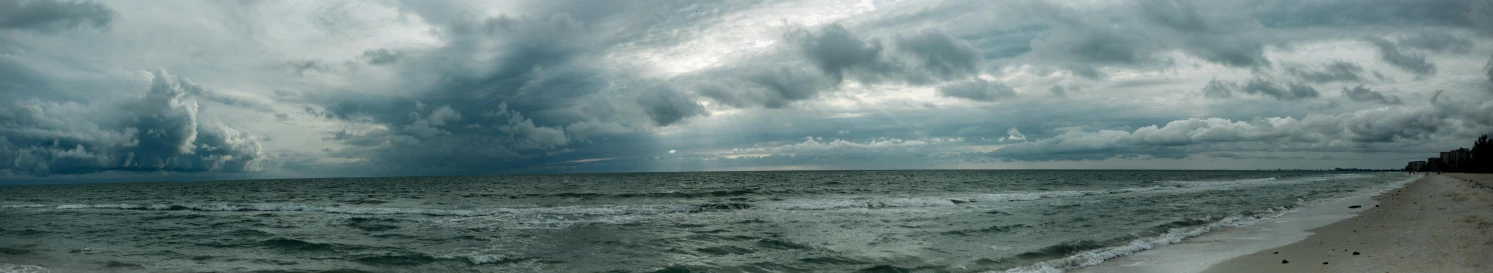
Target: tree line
1482, 157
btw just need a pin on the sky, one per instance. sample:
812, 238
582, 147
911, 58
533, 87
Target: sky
200, 90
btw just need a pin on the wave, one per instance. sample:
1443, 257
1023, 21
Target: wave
25, 206
21, 268
1094, 255
415, 258
635, 210
293, 245
988, 230
669, 194
608, 210
488, 259
937, 201
567, 210
721, 207
1258, 181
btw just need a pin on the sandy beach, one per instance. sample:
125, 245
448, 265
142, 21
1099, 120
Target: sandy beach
1439, 223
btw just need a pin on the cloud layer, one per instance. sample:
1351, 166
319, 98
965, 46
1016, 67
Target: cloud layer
99, 89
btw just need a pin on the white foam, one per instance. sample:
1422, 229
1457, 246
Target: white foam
536, 221
828, 204
938, 201
1320, 212
477, 257
566, 210
24, 206
21, 268
1173, 236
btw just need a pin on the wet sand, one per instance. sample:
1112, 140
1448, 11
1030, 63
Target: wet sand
1440, 223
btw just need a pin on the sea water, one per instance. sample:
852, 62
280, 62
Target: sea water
817, 221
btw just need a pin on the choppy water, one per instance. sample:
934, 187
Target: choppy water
823, 221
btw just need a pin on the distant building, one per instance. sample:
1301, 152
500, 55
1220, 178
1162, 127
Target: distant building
1455, 159
1434, 164
1415, 166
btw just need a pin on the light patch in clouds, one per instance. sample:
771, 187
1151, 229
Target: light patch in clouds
1014, 135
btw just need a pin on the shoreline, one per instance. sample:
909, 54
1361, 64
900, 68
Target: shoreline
1196, 254
1438, 223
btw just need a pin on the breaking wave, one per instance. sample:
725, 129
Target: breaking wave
1089, 253
21, 268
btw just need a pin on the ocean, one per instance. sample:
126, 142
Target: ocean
813, 221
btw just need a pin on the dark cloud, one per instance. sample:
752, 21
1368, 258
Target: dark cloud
1437, 42
380, 56
1142, 33
18, 77
53, 15
837, 52
667, 106
1364, 94
1287, 91
1219, 89
771, 88
834, 55
524, 135
1058, 91
1407, 60
1101, 47
1176, 139
300, 67
1221, 38
924, 57
977, 90
522, 88
160, 131
1337, 71
1348, 13
459, 90
942, 55
1488, 69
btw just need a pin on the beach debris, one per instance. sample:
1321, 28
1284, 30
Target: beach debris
1355, 253
1277, 252
1285, 261
1354, 206
1324, 262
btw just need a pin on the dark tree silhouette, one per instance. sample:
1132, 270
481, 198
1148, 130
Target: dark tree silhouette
1482, 155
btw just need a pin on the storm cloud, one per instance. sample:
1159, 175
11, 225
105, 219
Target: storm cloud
1364, 94
1404, 59
159, 131
292, 89
53, 15
1337, 71
1259, 86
